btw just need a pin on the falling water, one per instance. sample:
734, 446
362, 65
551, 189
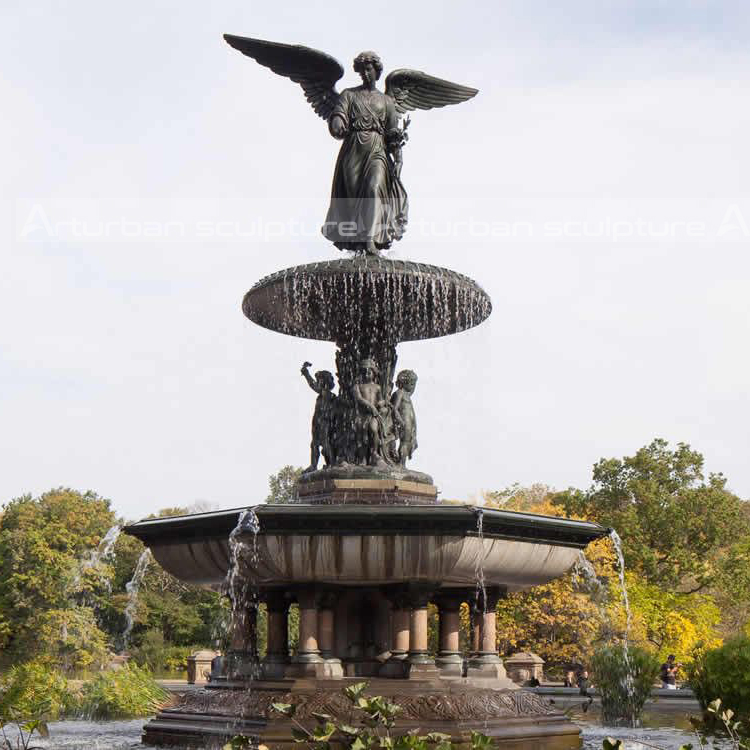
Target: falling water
95, 556
133, 587
628, 679
481, 592
240, 584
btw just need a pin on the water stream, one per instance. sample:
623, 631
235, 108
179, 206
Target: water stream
95, 557
481, 589
133, 587
585, 576
240, 583
628, 683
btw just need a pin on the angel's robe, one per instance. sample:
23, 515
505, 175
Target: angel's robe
368, 201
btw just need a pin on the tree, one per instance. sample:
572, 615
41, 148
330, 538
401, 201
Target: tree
560, 621
42, 541
69, 640
283, 485
675, 525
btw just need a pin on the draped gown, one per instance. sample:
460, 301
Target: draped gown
368, 201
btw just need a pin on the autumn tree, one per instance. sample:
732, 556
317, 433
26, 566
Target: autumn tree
282, 485
677, 526
42, 540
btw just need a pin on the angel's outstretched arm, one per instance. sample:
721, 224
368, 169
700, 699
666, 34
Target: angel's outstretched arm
338, 122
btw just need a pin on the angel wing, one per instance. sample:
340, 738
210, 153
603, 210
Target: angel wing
413, 89
315, 71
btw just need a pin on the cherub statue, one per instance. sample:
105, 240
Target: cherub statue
322, 419
372, 433
369, 207
403, 414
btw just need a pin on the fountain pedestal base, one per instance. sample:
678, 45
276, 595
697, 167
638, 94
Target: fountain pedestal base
209, 718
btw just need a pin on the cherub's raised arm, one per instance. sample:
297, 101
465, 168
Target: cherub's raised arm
309, 378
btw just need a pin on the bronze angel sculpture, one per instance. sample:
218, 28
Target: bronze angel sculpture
369, 206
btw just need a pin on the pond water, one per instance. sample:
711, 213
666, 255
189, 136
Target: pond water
660, 730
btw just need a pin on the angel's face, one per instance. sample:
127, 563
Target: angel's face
369, 73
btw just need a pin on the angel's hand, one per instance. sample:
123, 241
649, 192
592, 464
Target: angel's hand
337, 127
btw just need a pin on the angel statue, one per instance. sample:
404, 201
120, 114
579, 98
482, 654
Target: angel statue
369, 207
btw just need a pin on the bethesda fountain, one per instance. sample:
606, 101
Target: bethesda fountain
367, 545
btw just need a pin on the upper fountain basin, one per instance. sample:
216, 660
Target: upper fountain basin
338, 300
373, 545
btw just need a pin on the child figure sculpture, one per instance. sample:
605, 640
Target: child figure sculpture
371, 428
322, 417
403, 414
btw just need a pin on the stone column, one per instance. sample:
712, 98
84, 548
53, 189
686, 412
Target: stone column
449, 660
485, 662
421, 664
396, 665
308, 654
326, 619
277, 656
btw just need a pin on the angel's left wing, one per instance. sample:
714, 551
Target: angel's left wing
312, 69
413, 89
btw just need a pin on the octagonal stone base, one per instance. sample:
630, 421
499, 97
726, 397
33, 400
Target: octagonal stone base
208, 718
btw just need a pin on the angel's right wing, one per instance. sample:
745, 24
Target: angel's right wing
315, 71
413, 89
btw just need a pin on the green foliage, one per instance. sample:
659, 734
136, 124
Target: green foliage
42, 540
676, 526
282, 486
623, 694
671, 622
126, 693
368, 728
724, 673
69, 640
25, 688
155, 654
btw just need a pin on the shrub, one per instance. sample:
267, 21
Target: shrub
623, 695
724, 673
126, 693
33, 690
155, 654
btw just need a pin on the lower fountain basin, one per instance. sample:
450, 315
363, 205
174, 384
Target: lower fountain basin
373, 545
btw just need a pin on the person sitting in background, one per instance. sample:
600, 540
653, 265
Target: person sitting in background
570, 679
583, 689
669, 673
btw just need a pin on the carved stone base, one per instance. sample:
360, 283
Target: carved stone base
487, 669
208, 718
321, 488
450, 664
274, 667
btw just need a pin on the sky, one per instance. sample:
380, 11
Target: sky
596, 188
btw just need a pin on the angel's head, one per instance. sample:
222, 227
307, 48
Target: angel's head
369, 65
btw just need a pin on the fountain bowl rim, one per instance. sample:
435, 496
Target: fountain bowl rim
387, 520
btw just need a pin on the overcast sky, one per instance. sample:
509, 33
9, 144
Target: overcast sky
596, 188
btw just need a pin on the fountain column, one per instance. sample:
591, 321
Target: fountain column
396, 665
420, 664
326, 630
308, 657
485, 662
449, 659
277, 656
